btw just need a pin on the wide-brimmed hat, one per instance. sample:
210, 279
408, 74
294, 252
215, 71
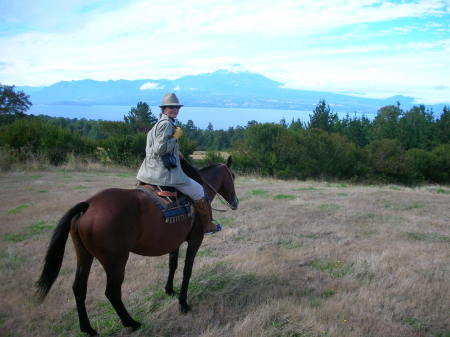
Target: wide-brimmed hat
170, 100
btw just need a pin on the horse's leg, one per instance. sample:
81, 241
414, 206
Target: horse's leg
194, 243
115, 273
173, 264
84, 263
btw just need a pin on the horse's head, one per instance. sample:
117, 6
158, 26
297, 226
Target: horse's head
227, 188
220, 179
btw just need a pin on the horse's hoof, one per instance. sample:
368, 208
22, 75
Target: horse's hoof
134, 325
90, 331
170, 292
185, 308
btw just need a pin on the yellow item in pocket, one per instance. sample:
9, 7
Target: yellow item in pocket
178, 133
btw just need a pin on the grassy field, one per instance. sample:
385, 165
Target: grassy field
297, 259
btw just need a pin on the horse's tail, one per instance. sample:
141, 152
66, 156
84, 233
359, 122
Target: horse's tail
55, 251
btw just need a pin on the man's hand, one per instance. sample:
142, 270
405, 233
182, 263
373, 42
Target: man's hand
178, 133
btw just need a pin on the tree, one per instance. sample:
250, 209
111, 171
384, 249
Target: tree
12, 102
140, 118
355, 129
323, 118
443, 126
386, 123
416, 128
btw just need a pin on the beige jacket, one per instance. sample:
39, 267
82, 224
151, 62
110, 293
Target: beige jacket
160, 141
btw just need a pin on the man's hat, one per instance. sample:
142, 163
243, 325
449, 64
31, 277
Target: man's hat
170, 100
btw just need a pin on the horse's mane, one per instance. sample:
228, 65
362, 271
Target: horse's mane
191, 171
209, 166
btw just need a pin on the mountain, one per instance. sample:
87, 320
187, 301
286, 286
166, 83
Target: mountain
222, 88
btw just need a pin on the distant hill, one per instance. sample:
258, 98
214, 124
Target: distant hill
221, 88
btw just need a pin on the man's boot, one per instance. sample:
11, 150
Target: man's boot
204, 210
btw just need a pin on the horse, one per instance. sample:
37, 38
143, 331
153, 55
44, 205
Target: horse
115, 222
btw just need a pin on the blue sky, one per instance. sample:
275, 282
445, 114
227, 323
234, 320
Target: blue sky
361, 47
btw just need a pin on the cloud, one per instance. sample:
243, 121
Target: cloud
441, 87
151, 86
329, 44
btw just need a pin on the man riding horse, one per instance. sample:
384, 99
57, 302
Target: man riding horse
162, 166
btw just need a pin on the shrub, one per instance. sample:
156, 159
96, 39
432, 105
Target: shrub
439, 169
288, 153
127, 150
388, 162
41, 139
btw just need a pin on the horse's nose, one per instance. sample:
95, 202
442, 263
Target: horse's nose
235, 203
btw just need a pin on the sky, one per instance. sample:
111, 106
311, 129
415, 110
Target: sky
369, 48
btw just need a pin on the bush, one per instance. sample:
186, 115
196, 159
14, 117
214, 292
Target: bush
439, 169
44, 140
388, 162
418, 163
288, 153
331, 155
127, 150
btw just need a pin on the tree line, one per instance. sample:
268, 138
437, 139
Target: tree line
406, 146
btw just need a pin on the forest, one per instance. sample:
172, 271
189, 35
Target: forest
397, 146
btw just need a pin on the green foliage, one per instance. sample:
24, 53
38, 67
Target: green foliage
443, 127
286, 153
126, 150
187, 146
140, 118
258, 150
416, 128
284, 196
355, 129
335, 268
323, 118
107, 129
18, 209
36, 228
387, 160
38, 137
439, 167
431, 237
409, 147
386, 123
12, 102
260, 192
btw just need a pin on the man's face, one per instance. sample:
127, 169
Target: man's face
172, 111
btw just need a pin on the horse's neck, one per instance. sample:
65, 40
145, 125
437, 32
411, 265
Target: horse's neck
210, 189
211, 185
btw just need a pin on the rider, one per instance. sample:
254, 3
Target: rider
161, 165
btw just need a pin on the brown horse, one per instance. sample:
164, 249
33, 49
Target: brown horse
115, 222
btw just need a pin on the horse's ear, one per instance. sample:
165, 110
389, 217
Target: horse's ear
229, 161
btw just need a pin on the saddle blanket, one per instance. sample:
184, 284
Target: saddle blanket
173, 211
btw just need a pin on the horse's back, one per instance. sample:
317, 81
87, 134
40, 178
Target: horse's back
123, 220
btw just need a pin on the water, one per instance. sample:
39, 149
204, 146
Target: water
220, 118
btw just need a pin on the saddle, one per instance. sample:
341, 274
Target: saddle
174, 205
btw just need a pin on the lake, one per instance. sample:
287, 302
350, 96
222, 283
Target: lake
220, 118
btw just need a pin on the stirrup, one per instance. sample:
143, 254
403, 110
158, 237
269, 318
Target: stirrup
218, 229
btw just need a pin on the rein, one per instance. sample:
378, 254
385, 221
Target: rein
222, 199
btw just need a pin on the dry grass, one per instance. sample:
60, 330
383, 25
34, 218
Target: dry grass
297, 259
200, 155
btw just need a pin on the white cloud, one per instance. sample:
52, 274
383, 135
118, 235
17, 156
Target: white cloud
151, 86
292, 41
